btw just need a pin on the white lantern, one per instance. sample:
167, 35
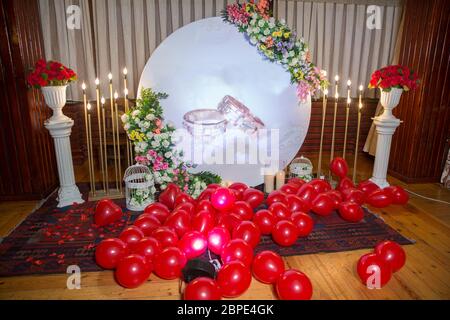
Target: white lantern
139, 187
301, 168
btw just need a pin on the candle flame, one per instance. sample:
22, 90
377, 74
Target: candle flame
125, 71
83, 86
336, 78
110, 76
360, 105
125, 91
97, 82
349, 100
349, 83
361, 88
102, 100
88, 106
116, 95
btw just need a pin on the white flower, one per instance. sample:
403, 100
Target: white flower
253, 40
126, 126
261, 23
150, 117
135, 113
282, 22
124, 118
165, 143
168, 154
266, 32
153, 190
149, 135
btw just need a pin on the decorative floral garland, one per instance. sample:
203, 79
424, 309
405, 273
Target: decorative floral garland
278, 43
154, 147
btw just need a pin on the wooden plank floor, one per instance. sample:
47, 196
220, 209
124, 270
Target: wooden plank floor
426, 274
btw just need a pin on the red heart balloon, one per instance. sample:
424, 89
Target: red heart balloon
242, 209
131, 235
147, 223
193, 244
228, 220
294, 203
294, 285
132, 271
307, 192
354, 195
267, 267
249, 232
206, 194
234, 279
240, 188
391, 253
398, 194
223, 199
158, 210
183, 198
109, 252
148, 248
218, 237
379, 198
169, 263
106, 212
373, 271
202, 288
345, 183
367, 187
166, 237
180, 221
276, 196
339, 167
284, 233
322, 205
280, 211
265, 220
303, 222
205, 205
168, 196
336, 197
203, 222
237, 249
351, 211
297, 181
320, 185
253, 197
213, 186
189, 207
290, 188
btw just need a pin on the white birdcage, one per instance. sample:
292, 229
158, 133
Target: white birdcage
138, 187
301, 168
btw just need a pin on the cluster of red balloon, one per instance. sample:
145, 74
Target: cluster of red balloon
388, 257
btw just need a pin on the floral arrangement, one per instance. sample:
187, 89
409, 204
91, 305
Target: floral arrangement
51, 73
395, 76
154, 147
278, 43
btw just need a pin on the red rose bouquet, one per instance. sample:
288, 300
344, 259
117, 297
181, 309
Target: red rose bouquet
395, 76
51, 73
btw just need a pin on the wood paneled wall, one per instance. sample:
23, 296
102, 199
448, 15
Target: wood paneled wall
27, 161
420, 144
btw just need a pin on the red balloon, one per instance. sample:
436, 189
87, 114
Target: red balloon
339, 167
234, 279
307, 192
180, 221
294, 285
237, 249
265, 220
183, 198
106, 212
276, 196
254, 197
285, 233
218, 237
379, 198
229, 220
189, 207
398, 194
367, 187
290, 188
391, 253
147, 223
158, 210
131, 235
169, 263
213, 186
335, 196
148, 248
373, 270
223, 199
345, 183
168, 196
354, 195
248, 232
109, 252
206, 194
205, 205
243, 209
166, 237
267, 267
297, 181
303, 222
202, 288
193, 244
294, 203
320, 185
351, 211
240, 188
132, 271
203, 222
280, 211
323, 205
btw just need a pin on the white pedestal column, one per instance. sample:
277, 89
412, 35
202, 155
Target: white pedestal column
385, 127
68, 192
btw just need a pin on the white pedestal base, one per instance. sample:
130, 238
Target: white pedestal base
68, 192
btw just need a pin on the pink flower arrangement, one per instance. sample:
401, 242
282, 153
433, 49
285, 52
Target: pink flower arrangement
394, 76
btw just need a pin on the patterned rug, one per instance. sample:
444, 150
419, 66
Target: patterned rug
51, 239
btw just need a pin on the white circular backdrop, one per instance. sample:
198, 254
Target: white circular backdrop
202, 62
